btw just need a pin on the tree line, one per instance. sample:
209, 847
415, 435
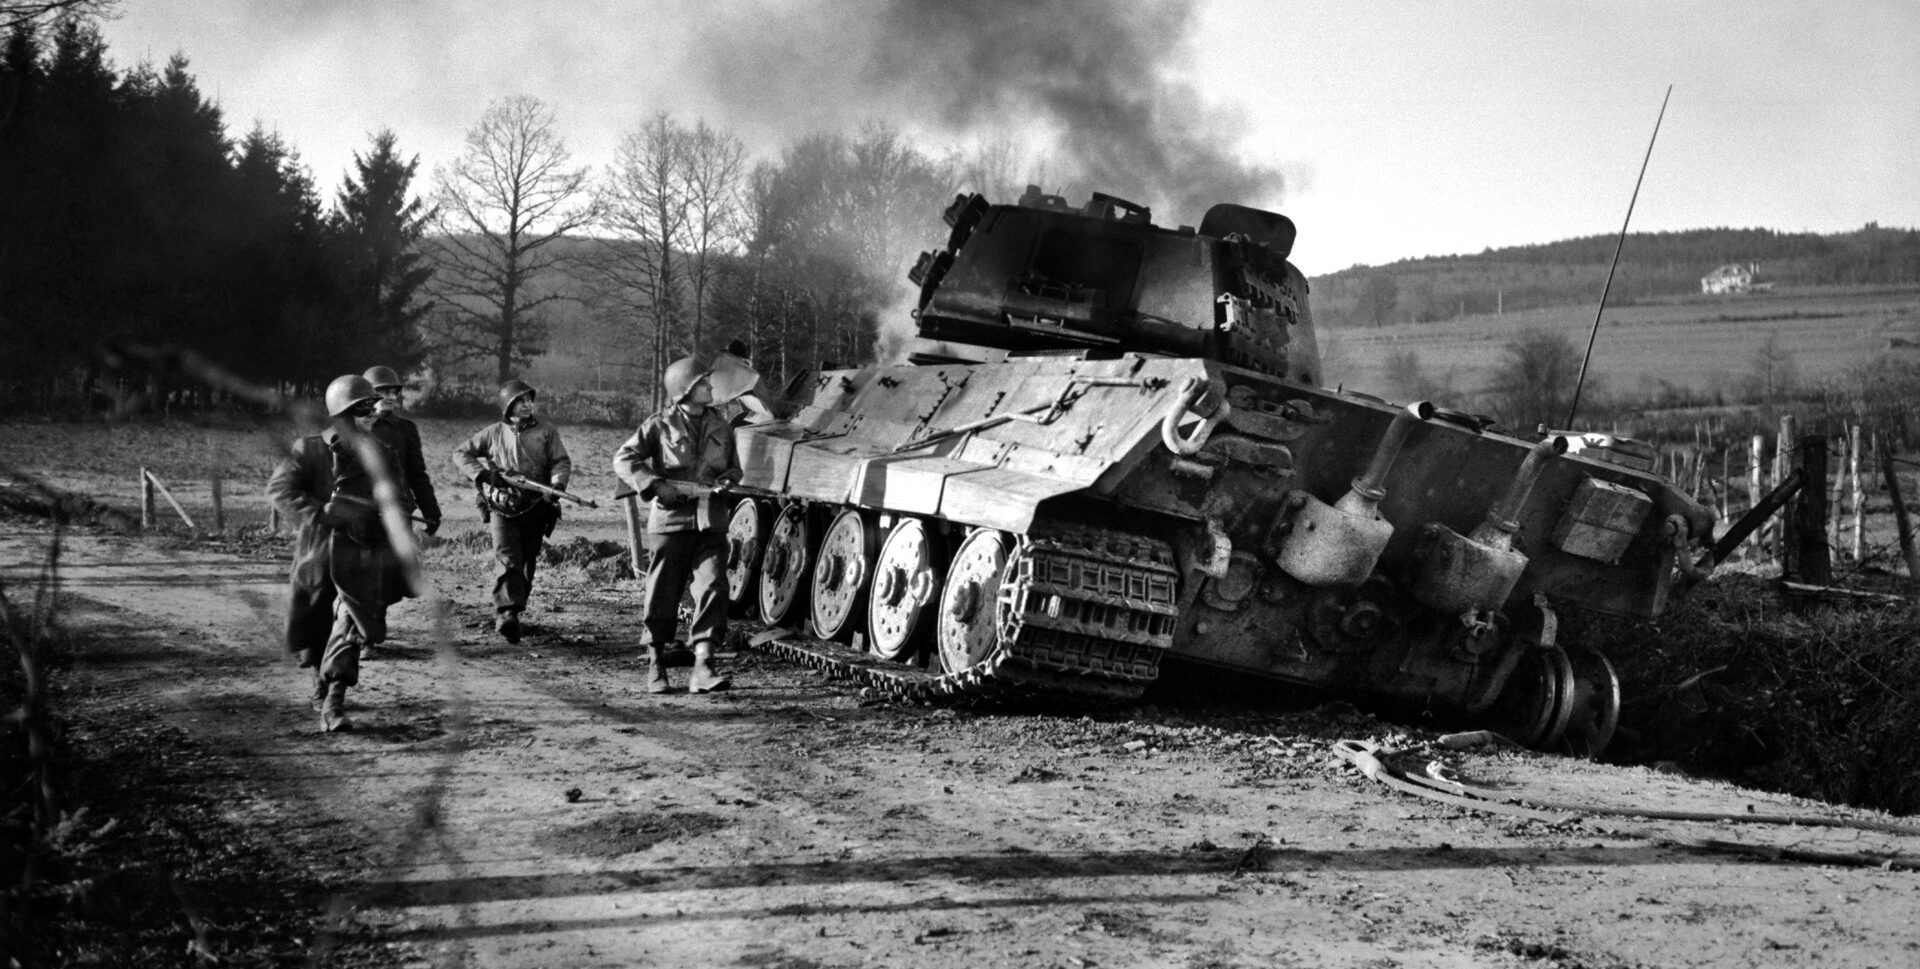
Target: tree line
135, 221
132, 219
1654, 266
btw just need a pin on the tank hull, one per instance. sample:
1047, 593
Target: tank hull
1172, 488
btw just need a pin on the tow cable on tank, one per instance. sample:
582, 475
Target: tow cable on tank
1372, 760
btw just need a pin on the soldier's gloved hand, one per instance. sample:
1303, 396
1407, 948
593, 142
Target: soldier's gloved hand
346, 519
433, 525
670, 494
731, 476
489, 478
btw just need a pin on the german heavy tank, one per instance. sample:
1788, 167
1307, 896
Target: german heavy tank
1110, 451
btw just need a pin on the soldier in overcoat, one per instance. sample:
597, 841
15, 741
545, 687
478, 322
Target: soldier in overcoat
345, 570
402, 436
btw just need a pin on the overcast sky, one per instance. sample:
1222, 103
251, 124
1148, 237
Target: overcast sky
1386, 129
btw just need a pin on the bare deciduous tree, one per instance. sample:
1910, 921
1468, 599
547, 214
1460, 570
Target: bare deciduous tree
500, 208
715, 169
1536, 379
22, 13
674, 199
648, 211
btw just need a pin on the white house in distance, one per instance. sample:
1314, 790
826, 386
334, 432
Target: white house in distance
1733, 278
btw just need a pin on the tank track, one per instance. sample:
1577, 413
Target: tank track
1088, 614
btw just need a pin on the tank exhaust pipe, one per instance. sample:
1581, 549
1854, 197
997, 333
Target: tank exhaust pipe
1471, 576
1503, 517
1335, 545
1372, 483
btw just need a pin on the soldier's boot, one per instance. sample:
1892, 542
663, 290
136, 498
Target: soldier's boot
507, 624
319, 692
657, 671
704, 679
333, 710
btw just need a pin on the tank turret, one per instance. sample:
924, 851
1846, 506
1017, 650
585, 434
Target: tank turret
1102, 280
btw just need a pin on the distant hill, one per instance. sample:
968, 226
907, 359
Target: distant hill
1654, 266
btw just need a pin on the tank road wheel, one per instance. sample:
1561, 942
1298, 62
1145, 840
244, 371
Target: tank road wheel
746, 539
969, 627
840, 574
905, 578
784, 567
1594, 702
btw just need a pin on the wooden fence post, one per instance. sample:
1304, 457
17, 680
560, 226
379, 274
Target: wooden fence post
219, 507
164, 493
1755, 547
630, 507
146, 500
273, 518
1836, 497
1859, 499
1782, 466
1899, 509
1810, 562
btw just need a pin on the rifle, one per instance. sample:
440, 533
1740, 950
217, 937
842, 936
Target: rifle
516, 480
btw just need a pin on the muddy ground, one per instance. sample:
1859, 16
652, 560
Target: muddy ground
530, 806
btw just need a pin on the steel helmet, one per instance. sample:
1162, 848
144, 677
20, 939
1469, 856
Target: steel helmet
513, 390
346, 391
383, 377
681, 375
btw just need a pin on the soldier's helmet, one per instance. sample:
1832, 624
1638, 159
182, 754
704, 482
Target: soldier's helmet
513, 390
383, 377
680, 377
346, 391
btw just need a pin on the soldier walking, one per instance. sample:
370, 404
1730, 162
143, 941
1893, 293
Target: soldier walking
402, 436
344, 567
521, 446
675, 461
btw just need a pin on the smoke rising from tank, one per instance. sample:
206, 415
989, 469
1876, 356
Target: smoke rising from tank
1093, 88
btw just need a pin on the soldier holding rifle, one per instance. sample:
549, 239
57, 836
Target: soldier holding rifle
520, 470
677, 460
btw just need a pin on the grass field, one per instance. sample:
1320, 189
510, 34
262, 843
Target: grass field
1700, 343
103, 462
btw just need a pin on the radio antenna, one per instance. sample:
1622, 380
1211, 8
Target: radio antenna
1617, 246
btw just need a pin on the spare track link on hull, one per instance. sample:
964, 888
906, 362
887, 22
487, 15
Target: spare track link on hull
1086, 613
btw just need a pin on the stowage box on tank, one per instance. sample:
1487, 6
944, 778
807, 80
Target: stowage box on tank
1110, 449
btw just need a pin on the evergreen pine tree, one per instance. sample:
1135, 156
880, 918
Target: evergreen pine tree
377, 231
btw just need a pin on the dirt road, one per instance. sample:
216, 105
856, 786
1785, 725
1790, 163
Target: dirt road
529, 806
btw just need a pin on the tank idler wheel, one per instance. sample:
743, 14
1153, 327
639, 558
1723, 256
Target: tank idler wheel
906, 578
840, 574
968, 627
746, 539
1533, 707
784, 568
1594, 704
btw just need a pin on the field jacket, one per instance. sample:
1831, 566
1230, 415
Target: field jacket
535, 452
674, 445
402, 437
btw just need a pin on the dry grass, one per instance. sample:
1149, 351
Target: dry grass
1788, 694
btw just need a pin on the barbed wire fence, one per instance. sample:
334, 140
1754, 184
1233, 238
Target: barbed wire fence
38, 817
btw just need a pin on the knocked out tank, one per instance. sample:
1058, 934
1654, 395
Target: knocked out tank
1111, 450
